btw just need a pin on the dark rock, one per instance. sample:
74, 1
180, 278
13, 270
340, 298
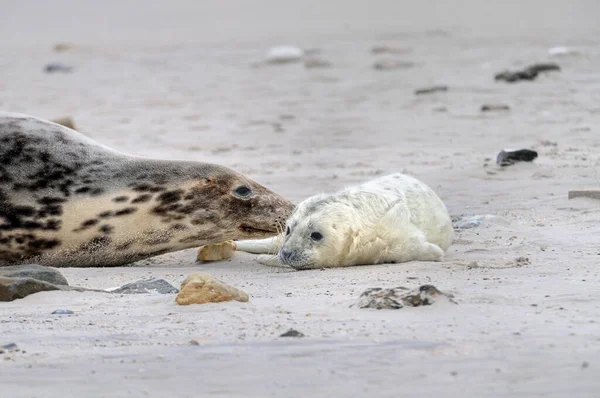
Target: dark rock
529, 73
8, 348
431, 90
508, 157
194, 342
495, 107
57, 67
292, 333
147, 286
62, 312
34, 271
16, 288
399, 297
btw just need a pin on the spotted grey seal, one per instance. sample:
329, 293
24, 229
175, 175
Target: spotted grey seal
391, 219
66, 200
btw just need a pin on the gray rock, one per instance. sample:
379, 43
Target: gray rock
529, 73
34, 271
8, 348
399, 297
494, 108
431, 90
57, 67
152, 285
507, 157
62, 312
292, 333
16, 288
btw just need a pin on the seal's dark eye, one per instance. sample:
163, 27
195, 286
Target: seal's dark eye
243, 191
287, 231
316, 236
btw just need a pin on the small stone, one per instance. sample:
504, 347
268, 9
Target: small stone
57, 67
473, 265
398, 297
65, 121
194, 342
292, 333
62, 312
521, 261
508, 157
494, 108
34, 271
431, 90
392, 64
62, 47
313, 62
529, 73
152, 285
16, 288
284, 55
217, 252
201, 288
8, 348
593, 193
561, 51
585, 365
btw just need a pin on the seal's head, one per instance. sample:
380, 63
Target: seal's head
222, 205
317, 234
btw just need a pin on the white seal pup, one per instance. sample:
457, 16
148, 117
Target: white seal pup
391, 219
66, 200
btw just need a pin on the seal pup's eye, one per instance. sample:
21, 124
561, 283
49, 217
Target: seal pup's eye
243, 191
287, 231
316, 236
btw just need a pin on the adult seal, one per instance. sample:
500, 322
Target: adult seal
391, 219
66, 200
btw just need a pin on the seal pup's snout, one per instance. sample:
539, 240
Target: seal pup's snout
285, 256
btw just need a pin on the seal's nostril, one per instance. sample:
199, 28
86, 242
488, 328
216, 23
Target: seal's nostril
285, 255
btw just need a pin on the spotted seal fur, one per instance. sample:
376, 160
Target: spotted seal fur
391, 219
66, 200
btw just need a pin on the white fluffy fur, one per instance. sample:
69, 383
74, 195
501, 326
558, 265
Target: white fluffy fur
391, 219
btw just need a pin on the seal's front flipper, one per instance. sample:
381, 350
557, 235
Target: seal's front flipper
260, 246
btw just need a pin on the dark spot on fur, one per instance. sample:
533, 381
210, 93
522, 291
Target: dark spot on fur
106, 229
83, 190
142, 198
106, 214
125, 211
120, 199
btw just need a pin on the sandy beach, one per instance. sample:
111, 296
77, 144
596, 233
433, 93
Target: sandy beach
187, 80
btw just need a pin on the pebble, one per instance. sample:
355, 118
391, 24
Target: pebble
292, 333
8, 348
57, 67
431, 90
284, 55
494, 107
152, 285
202, 288
34, 271
593, 193
62, 312
216, 252
561, 51
313, 62
392, 64
529, 73
508, 157
399, 297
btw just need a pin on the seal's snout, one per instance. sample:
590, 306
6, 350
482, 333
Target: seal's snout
285, 255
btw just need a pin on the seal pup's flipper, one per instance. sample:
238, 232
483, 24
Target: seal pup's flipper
260, 246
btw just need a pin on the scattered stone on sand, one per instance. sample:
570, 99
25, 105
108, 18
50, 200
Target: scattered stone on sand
202, 288
473, 265
8, 348
34, 271
65, 121
216, 252
467, 221
398, 297
494, 108
561, 51
389, 50
431, 90
292, 333
284, 55
194, 342
508, 157
392, 64
152, 285
62, 47
521, 261
62, 312
529, 73
57, 67
314, 62
593, 193
16, 288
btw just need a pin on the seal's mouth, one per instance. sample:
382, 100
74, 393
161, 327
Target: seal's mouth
255, 231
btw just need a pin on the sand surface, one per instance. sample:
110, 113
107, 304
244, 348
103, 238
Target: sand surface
183, 80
